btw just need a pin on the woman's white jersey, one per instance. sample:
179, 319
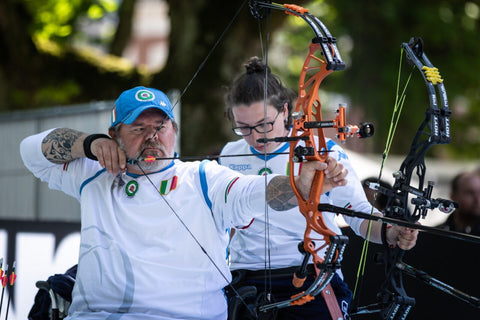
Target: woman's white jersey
285, 229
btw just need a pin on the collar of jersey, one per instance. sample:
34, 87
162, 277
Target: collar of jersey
261, 155
134, 175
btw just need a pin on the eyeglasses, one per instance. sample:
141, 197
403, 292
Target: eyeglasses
260, 128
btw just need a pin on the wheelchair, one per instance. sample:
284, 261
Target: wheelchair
54, 296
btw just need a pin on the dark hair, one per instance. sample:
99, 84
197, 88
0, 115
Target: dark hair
248, 88
454, 183
456, 180
116, 128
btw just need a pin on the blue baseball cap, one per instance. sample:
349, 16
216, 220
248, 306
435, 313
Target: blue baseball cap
134, 101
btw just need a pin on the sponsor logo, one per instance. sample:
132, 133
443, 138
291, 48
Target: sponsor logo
240, 167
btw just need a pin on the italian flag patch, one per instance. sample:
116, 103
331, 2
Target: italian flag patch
227, 190
299, 166
168, 185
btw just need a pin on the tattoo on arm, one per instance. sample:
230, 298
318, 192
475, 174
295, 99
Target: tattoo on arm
57, 145
280, 195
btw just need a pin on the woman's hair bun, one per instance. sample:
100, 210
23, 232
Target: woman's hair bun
256, 65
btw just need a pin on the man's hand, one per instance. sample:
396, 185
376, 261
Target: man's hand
110, 155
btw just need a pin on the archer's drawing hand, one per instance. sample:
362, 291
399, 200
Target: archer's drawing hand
110, 155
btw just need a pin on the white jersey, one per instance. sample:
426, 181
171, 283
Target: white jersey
137, 260
286, 228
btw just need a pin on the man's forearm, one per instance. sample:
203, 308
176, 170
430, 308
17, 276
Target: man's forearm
63, 145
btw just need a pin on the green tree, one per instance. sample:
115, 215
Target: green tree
369, 36
42, 64
39, 64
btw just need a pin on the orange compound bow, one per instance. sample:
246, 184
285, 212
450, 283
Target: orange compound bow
307, 142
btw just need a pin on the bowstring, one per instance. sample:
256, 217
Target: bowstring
195, 239
200, 67
397, 110
267, 251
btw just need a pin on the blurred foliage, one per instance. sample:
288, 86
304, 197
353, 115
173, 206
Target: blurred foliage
369, 35
57, 20
44, 60
51, 52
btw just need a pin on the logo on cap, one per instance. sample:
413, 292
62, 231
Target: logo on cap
144, 95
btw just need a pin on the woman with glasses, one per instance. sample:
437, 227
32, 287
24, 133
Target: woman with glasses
264, 253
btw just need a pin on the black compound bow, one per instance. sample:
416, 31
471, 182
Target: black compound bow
393, 302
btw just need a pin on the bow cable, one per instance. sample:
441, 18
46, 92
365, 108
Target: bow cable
200, 67
195, 239
397, 110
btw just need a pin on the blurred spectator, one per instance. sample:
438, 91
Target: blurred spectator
465, 190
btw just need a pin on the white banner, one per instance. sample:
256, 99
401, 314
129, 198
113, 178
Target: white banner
37, 257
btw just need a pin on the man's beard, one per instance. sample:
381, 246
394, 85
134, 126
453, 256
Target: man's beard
152, 166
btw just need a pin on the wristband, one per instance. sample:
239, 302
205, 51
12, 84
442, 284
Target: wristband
87, 143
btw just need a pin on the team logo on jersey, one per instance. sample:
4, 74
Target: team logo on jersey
131, 188
168, 185
264, 171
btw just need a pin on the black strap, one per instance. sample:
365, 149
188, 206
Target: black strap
87, 143
275, 273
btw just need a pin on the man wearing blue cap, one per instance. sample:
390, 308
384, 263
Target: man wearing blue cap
154, 230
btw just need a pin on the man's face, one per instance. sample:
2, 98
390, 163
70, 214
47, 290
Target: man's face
151, 134
468, 195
